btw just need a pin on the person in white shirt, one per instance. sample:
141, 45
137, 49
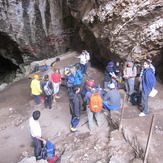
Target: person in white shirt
84, 59
36, 134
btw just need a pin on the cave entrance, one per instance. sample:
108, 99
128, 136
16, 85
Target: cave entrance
7, 70
10, 58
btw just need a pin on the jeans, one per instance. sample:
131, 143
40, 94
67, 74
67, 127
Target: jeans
37, 146
84, 68
106, 84
140, 86
74, 123
129, 85
48, 101
90, 115
110, 107
144, 102
37, 99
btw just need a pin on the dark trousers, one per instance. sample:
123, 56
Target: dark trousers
48, 101
37, 146
144, 102
84, 68
37, 99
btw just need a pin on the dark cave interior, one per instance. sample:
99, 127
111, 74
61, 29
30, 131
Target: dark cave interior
10, 58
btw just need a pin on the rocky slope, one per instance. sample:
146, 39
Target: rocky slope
127, 29
108, 29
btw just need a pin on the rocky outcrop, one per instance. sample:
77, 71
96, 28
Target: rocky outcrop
124, 29
36, 27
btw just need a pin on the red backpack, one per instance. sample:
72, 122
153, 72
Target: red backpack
95, 102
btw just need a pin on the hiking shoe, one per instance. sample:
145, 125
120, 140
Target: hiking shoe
142, 114
74, 132
57, 96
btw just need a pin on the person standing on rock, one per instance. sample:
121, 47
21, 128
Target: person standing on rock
148, 83
36, 89
75, 108
48, 92
130, 73
36, 134
56, 79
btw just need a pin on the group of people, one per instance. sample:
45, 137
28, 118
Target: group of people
48, 86
88, 96
147, 79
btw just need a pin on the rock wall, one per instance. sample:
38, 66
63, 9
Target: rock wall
37, 27
124, 29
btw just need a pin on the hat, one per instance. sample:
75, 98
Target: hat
66, 72
36, 76
111, 63
90, 83
112, 85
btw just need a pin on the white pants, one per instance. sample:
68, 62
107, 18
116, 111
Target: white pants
56, 88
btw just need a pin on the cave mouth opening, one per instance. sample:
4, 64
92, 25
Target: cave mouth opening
10, 58
7, 70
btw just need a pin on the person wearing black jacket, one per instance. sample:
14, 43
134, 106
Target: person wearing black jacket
48, 91
75, 108
109, 74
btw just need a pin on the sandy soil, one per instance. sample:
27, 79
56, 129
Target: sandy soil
16, 107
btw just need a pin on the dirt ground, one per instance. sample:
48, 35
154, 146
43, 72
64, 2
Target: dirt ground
16, 107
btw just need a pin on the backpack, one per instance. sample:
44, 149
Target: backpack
48, 152
47, 89
71, 79
135, 99
95, 102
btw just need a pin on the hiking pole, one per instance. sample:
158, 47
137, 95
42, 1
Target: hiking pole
120, 123
149, 138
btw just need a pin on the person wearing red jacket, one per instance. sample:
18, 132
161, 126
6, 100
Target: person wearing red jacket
56, 80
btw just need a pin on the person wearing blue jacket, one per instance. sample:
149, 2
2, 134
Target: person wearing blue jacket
148, 83
78, 76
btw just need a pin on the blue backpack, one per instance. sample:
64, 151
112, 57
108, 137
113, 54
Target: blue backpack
71, 79
135, 99
48, 152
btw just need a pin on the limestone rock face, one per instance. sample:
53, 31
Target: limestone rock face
127, 29
35, 27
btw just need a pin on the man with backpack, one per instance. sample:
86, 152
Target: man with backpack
48, 92
130, 72
75, 108
94, 105
36, 134
111, 99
